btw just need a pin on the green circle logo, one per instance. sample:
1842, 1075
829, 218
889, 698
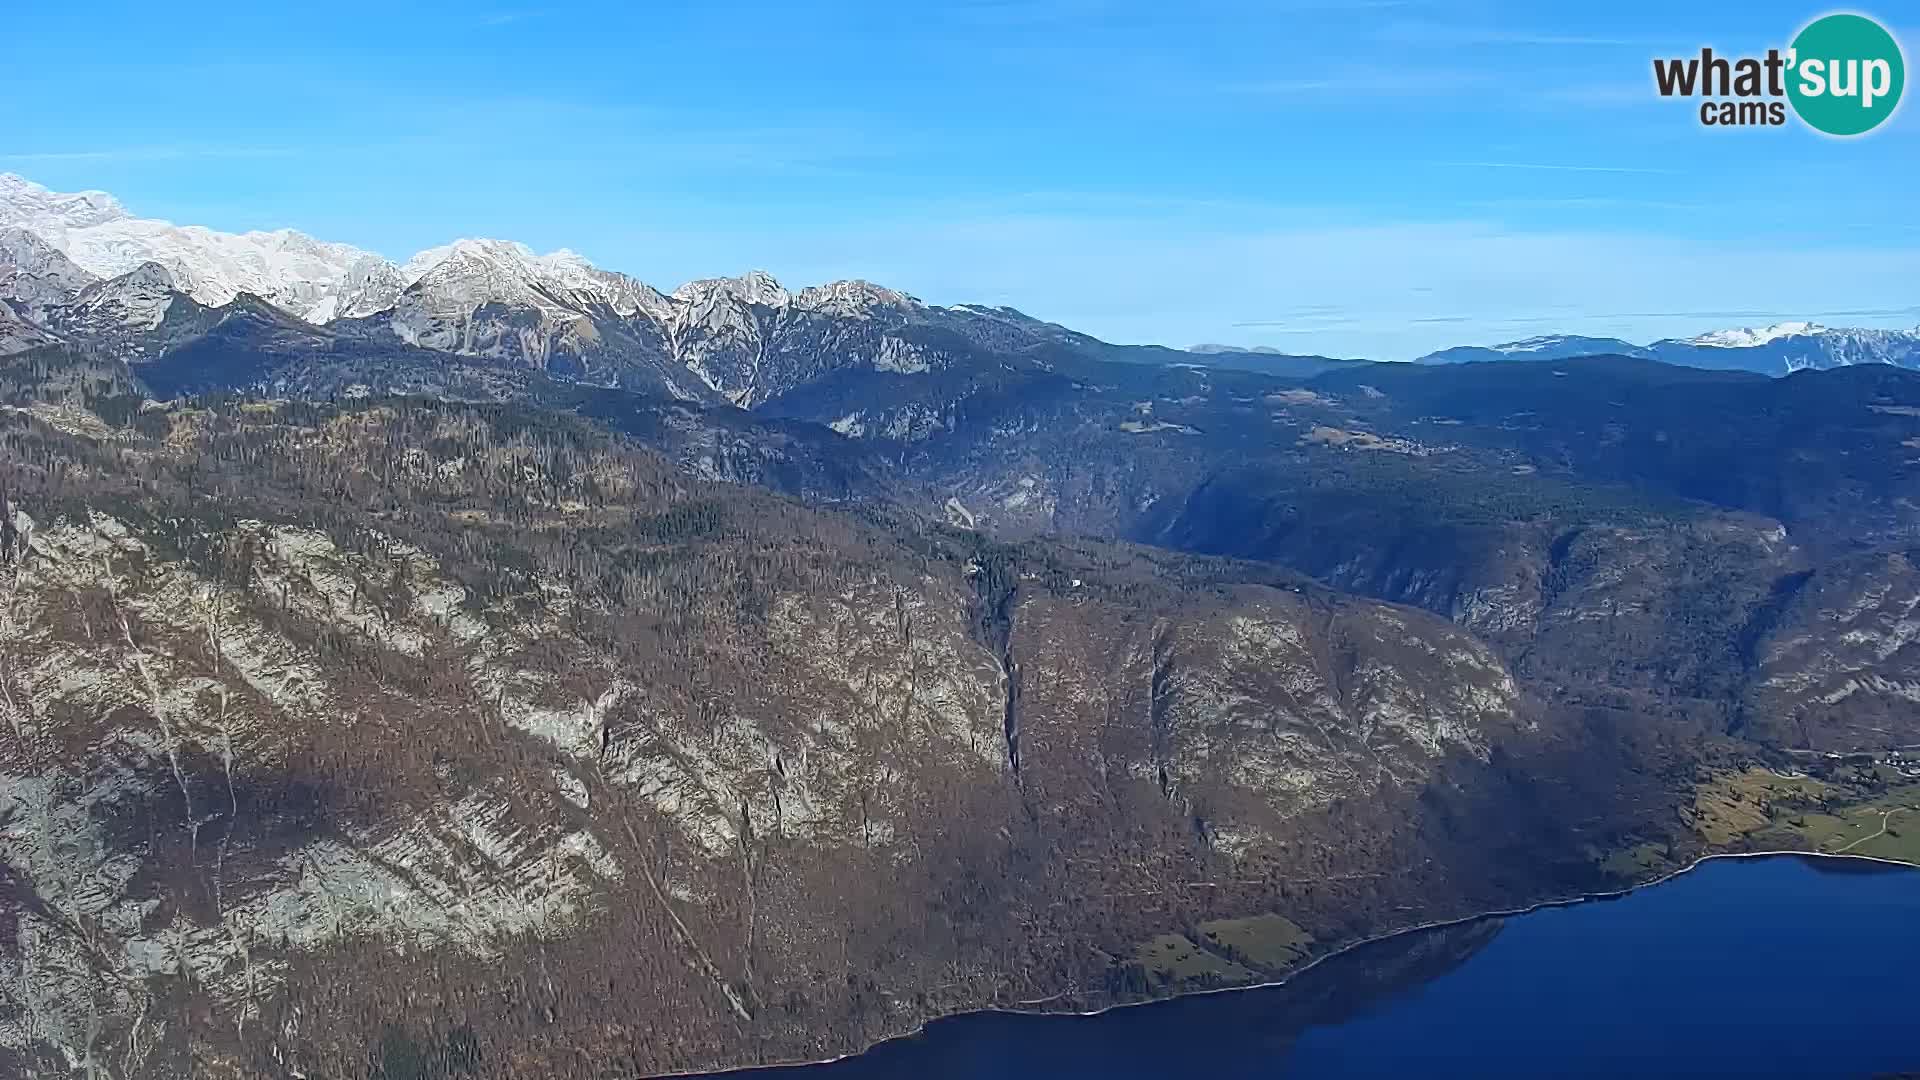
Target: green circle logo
1846, 74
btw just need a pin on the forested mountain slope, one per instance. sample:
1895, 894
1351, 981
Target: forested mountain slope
380, 708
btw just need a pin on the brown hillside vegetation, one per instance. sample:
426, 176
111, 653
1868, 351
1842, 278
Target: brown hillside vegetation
403, 738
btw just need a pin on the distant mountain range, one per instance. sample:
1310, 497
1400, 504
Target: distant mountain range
82, 258
515, 666
1780, 349
744, 340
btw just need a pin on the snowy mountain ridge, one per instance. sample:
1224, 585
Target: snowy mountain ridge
80, 264
1747, 337
725, 336
322, 281
311, 278
1779, 349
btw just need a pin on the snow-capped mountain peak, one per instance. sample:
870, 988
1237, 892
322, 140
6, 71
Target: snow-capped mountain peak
30, 206
1793, 346
145, 276
322, 282
485, 255
1779, 349
505, 271
1751, 337
853, 299
752, 287
288, 268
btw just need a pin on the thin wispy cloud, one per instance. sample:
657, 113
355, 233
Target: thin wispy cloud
1032, 11
1302, 326
1603, 95
1366, 81
1339, 6
1441, 34
149, 153
1546, 166
1295, 328
1589, 202
508, 18
1014, 14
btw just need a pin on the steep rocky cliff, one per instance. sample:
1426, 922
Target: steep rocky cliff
345, 733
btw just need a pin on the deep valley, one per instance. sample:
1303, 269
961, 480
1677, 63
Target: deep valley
523, 672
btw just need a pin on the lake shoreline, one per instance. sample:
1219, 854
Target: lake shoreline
1439, 924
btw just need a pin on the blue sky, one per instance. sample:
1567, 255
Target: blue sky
1362, 178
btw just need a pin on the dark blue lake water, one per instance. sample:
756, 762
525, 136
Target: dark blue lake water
1777, 967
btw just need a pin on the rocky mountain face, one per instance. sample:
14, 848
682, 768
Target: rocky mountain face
513, 670
34, 276
1629, 533
17, 334
603, 749
122, 312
